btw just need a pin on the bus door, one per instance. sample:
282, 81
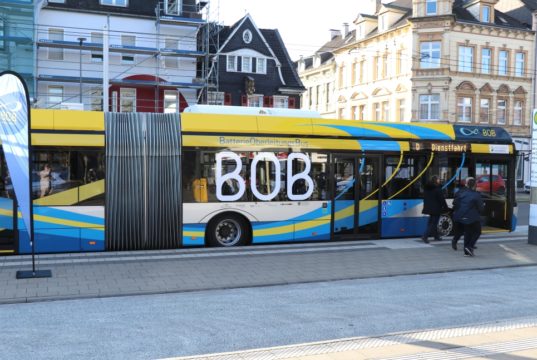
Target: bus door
355, 201
494, 181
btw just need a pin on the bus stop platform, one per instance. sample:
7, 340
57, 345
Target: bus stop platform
106, 274
503, 340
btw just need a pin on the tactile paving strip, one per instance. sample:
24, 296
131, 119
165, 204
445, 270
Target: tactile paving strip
336, 346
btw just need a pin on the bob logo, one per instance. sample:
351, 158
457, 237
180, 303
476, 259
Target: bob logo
234, 176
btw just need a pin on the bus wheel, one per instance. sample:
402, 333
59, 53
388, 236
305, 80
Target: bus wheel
445, 225
228, 230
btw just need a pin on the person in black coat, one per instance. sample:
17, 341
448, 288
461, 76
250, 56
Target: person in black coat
458, 228
434, 204
467, 211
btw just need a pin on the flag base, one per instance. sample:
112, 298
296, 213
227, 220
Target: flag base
29, 274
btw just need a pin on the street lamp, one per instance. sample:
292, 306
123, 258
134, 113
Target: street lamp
80, 42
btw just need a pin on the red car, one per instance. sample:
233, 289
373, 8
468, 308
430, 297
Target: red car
483, 184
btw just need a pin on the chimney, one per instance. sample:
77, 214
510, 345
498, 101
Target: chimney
334, 33
345, 29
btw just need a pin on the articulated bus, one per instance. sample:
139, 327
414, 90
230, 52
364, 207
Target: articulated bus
220, 176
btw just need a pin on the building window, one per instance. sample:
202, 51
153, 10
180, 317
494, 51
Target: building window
362, 113
519, 64
361, 73
464, 109
215, 98
128, 41
261, 66
485, 14
354, 75
486, 57
501, 112
466, 58
503, 62
96, 99
430, 55
379, 67
401, 110
123, 3
430, 107
127, 100
255, 100
430, 7
171, 101
382, 22
97, 38
171, 62
484, 111
317, 95
282, 102
327, 93
231, 63
55, 96
341, 76
398, 63
354, 112
518, 111
377, 113
246, 64
386, 111
55, 35
173, 7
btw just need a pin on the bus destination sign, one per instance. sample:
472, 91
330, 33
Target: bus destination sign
441, 146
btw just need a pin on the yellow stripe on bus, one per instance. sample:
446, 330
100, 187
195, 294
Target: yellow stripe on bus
93, 140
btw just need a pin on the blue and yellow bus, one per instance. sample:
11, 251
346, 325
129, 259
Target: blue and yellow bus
220, 176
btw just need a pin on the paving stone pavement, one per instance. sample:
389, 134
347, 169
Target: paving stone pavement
150, 272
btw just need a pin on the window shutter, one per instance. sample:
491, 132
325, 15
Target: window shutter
244, 100
227, 99
291, 103
266, 101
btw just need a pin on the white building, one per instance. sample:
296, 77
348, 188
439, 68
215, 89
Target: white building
152, 54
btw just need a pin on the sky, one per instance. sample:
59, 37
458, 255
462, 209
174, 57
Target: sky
303, 24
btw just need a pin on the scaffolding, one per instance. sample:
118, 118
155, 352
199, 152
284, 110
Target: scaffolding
209, 43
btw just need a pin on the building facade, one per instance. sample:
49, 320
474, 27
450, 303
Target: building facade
448, 61
149, 64
254, 69
17, 39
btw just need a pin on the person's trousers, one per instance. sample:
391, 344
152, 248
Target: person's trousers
432, 226
458, 230
472, 232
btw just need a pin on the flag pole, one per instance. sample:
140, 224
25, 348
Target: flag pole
34, 273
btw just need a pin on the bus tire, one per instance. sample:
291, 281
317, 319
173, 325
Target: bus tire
228, 229
445, 225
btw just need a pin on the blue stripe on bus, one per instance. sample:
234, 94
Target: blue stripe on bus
373, 145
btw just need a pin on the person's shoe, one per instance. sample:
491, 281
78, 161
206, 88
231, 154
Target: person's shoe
424, 239
438, 239
474, 247
468, 252
454, 244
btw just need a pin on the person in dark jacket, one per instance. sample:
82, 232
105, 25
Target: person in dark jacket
467, 211
434, 204
458, 228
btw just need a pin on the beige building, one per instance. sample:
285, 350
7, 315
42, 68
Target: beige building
426, 60
448, 61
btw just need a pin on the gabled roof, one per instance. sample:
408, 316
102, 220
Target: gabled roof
273, 44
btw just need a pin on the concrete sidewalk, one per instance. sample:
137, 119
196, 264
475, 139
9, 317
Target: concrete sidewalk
505, 340
151, 272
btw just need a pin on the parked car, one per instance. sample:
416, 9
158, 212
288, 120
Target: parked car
527, 187
483, 184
